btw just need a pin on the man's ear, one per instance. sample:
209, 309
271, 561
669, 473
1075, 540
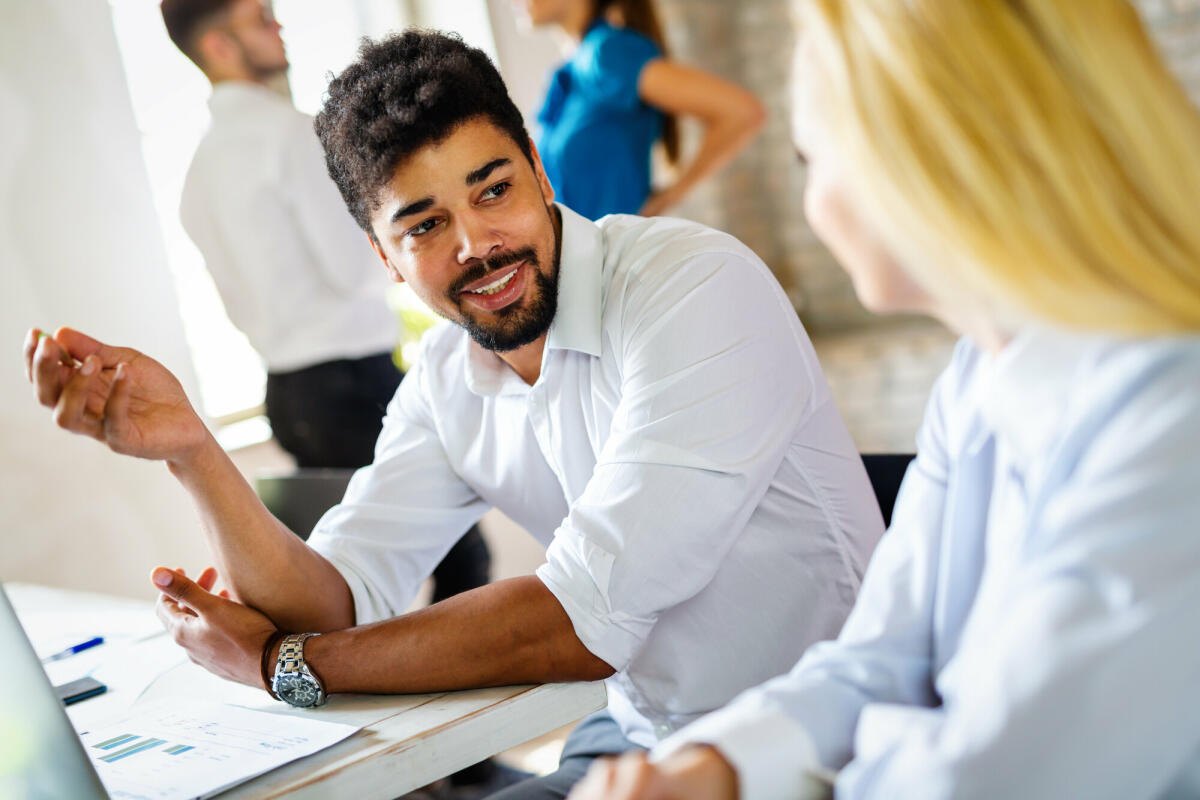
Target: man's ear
393, 273
540, 172
212, 48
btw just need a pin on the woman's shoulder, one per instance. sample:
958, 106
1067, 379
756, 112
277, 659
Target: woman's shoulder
608, 47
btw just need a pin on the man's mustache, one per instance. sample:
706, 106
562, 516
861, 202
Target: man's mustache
491, 264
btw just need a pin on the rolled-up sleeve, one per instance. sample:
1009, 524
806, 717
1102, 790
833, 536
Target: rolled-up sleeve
709, 404
402, 514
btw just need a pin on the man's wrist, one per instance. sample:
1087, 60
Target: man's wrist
196, 456
315, 651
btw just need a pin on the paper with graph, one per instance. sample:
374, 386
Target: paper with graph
184, 749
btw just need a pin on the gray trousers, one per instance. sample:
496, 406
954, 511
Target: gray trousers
596, 735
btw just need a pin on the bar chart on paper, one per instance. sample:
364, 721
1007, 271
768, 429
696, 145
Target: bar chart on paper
185, 749
128, 744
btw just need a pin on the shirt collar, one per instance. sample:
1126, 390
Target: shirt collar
230, 96
576, 324
1032, 381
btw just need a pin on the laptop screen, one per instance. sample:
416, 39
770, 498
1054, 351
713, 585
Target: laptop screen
40, 754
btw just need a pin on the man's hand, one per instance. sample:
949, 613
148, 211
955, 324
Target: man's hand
115, 395
697, 773
224, 637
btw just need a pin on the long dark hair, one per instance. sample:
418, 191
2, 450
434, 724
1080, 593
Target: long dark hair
640, 16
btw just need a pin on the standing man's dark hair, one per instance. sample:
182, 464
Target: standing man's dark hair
404, 92
187, 19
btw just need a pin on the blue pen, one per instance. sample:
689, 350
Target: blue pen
70, 651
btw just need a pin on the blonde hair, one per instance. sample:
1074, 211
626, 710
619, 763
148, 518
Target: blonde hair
1031, 157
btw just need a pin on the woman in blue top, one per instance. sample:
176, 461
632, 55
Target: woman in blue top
619, 94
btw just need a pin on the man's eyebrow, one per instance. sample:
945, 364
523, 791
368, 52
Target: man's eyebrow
412, 208
480, 175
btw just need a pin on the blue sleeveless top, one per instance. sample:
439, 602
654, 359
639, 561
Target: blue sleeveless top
596, 133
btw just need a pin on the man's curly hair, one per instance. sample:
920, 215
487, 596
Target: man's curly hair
406, 91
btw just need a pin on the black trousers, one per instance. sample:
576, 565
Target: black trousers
330, 414
596, 735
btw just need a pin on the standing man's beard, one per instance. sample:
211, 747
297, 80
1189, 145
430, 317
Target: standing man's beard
520, 323
262, 71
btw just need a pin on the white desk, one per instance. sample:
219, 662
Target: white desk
406, 742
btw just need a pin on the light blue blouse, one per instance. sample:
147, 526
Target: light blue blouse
1030, 624
596, 133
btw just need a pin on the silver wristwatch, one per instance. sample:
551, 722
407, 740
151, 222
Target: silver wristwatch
294, 682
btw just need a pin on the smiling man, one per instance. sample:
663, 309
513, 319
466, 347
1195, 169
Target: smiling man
637, 393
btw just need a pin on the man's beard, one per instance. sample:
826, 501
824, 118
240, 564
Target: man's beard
260, 69
520, 323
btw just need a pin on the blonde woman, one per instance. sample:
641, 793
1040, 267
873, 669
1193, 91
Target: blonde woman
616, 96
1027, 172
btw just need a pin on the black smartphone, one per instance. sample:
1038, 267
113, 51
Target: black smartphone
78, 690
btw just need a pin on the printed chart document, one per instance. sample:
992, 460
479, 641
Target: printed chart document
184, 749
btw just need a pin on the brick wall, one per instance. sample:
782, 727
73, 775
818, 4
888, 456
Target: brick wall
758, 198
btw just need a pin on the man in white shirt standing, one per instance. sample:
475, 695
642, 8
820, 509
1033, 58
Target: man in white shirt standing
290, 265
637, 393
294, 272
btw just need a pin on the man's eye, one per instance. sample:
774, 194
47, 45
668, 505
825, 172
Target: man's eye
422, 227
498, 190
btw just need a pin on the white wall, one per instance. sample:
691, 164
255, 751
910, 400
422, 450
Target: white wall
79, 246
525, 57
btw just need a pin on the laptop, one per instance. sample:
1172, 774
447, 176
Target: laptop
41, 756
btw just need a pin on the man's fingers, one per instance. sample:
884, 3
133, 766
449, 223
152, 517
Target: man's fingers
80, 345
71, 411
207, 579
48, 371
31, 343
182, 590
172, 615
116, 409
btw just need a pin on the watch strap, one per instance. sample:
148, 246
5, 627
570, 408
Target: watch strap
265, 660
291, 653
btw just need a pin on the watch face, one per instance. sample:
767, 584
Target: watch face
297, 689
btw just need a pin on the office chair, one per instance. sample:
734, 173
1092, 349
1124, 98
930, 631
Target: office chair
886, 471
298, 499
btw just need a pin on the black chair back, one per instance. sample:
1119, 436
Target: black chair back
298, 499
886, 471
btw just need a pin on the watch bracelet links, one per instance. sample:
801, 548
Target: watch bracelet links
291, 654
272, 640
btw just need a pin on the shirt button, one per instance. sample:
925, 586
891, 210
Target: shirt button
662, 730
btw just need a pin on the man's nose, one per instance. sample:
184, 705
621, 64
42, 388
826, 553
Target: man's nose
476, 238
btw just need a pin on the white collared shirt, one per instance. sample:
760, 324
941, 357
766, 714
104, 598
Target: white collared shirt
294, 271
705, 513
1028, 625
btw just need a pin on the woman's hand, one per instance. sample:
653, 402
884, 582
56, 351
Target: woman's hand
697, 773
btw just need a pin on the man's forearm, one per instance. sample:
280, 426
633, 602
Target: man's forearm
508, 632
264, 564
